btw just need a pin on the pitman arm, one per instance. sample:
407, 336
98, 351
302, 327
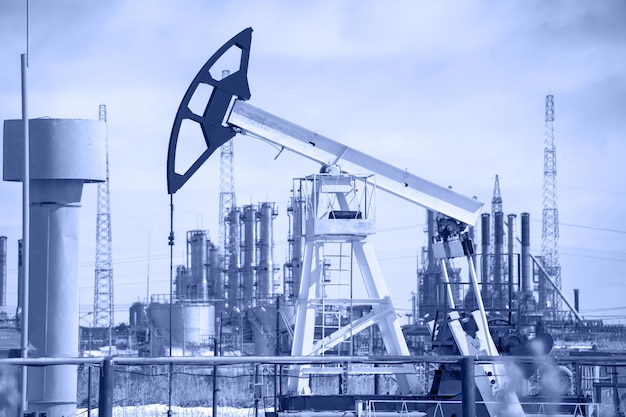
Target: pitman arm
226, 114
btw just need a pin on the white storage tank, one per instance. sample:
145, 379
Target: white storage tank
193, 325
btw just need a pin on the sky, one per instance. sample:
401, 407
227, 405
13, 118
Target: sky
452, 91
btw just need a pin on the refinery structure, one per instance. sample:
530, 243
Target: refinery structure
478, 289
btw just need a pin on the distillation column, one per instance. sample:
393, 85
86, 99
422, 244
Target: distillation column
197, 248
486, 255
265, 268
248, 252
64, 154
498, 292
296, 244
234, 276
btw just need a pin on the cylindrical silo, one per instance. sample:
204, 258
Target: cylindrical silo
265, 265
64, 154
248, 253
525, 261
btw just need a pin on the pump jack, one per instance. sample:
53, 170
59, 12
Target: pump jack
227, 113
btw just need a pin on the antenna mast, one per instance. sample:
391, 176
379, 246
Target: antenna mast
227, 191
103, 286
548, 298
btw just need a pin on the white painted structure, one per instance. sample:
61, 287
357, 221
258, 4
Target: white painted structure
64, 154
338, 215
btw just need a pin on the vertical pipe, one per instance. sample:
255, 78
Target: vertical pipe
616, 396
298, 235
577, 300
526, 274
20, 281
433, 294
468, 389
256, 386
25, 229
276, 351
485, 238
249, 223
89, 387
234, 273
471, 232
215, 273
105, 406
3, 275
498, 244
215, 390
511, 218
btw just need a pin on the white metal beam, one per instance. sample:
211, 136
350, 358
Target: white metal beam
259, 123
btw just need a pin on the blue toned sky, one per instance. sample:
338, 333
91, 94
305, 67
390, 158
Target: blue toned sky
452, 91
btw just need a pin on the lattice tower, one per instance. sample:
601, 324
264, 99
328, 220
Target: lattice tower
103, 287
227, 191
550, 220
496, 200
496, 207
496, 264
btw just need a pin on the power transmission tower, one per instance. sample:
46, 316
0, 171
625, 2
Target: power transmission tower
103, 287
550, 221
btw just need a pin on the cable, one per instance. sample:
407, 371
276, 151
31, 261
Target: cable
171, 244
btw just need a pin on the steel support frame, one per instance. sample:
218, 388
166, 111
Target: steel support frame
382, 314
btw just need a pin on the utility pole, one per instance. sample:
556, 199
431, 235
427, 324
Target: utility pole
548, 298
103, 286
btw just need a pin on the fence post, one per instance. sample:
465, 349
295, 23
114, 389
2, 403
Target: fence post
468, 388
105, 404
215, 389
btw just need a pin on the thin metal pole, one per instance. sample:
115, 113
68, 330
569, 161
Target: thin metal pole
214, 408
468, 388
256, 385
25, 231
105, 406
171, 244
89, 391
276, 352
